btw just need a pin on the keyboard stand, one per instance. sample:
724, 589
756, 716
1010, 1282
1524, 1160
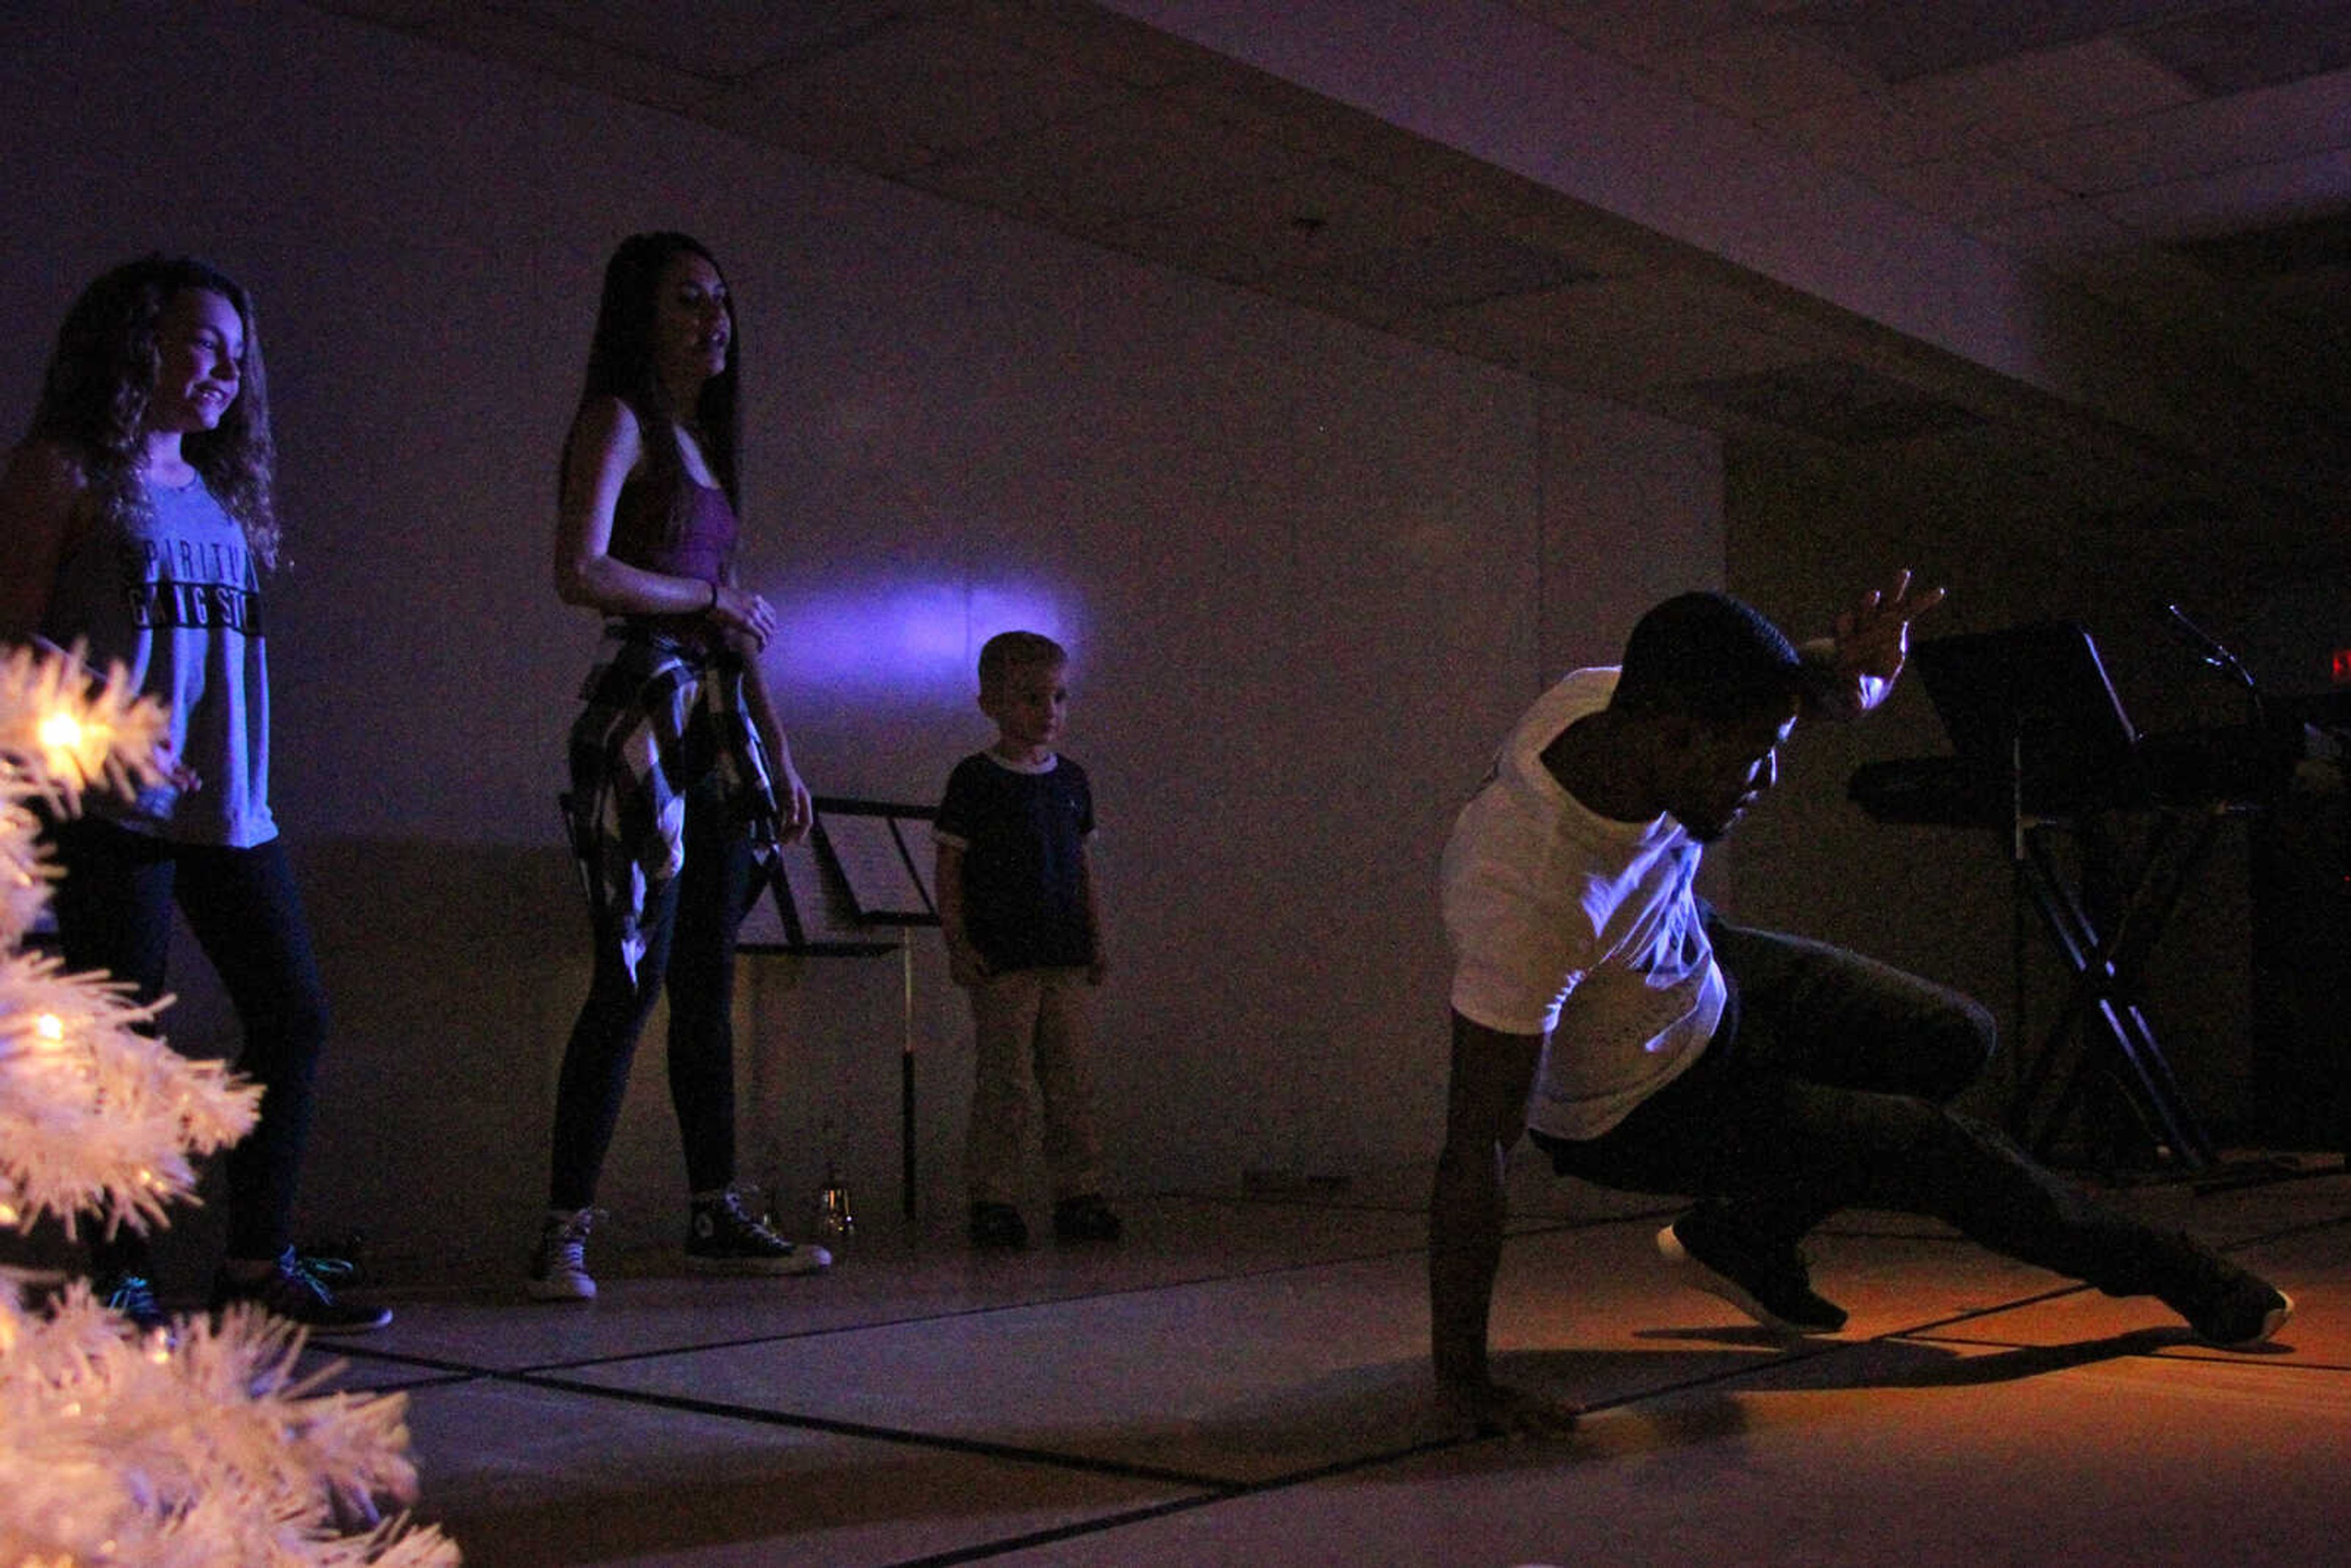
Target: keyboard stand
2046, 755
2101, 1024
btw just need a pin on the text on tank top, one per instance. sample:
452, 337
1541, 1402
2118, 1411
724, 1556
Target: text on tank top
173, 595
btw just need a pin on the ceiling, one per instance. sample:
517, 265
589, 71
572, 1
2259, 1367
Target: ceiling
2178, 171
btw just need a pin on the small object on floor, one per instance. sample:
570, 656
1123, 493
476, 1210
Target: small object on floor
836, 1221
998, 1228
1772, 1286
1085, 1218
559, 1271
290, 1289
721, 1237
133, 1296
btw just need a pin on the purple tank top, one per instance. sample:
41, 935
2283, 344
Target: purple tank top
704, 550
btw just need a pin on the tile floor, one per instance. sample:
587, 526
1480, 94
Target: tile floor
1244, 1383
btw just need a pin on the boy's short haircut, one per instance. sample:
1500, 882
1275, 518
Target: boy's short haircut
1006, 652
1710, 657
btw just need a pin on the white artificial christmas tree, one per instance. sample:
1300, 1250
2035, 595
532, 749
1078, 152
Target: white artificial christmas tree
198, 1450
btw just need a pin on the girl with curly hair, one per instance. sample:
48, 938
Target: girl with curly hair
138, 512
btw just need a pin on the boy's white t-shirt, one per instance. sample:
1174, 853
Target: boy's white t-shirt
1582, 930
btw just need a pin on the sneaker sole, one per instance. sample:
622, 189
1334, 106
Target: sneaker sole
381, 1320
1700, 1277
560, 1290
804, 1260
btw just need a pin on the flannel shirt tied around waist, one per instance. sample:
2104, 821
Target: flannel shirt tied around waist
663, 716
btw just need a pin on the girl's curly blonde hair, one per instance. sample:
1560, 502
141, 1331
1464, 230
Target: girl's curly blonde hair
95, 393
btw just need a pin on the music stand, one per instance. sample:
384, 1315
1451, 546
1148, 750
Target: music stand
2036, 721
862, 867
2031, 709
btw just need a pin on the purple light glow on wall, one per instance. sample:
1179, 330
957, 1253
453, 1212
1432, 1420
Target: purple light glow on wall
908, 640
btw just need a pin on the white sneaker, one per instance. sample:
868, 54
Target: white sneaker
559, 1272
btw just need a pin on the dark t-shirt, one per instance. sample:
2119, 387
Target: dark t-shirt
1023, 836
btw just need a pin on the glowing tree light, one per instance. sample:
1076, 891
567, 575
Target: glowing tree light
191, 1451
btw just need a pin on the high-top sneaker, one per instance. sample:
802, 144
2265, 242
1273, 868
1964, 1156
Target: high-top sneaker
722, 1239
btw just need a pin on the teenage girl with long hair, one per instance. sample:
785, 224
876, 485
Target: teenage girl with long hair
682, 778
138, 511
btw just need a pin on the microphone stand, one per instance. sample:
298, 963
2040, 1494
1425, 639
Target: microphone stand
2276, 750
2211, 651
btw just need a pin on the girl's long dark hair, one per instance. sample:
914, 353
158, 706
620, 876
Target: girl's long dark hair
621, 364
101, 375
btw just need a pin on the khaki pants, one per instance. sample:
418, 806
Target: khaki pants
1033, 1036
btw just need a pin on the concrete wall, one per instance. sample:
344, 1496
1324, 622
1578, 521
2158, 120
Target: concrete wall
1310, 574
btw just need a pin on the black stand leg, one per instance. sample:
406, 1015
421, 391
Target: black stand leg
2102, 1017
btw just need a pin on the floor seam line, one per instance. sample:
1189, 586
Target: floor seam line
1234, 1492
903, 1437
1269, 1273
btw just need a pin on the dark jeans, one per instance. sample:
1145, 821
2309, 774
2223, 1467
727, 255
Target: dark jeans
689, 927
114, 912
1828, 1091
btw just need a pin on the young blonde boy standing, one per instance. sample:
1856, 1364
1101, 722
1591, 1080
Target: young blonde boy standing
1018, 907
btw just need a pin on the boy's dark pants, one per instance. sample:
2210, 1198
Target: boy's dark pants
1828, 1089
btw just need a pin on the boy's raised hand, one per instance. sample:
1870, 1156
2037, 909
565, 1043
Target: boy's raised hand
1872, 643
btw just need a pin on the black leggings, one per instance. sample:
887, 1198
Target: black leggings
689, 927
114, 912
